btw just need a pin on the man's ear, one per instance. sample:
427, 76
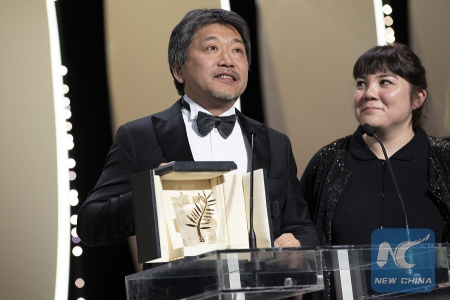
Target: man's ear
420, 97
177, 71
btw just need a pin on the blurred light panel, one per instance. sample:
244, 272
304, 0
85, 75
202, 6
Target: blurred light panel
387, 9
72, 175
64, 70
65, 88
71, 163
63, 244
77, 251
79, 283
379, 22
388, 21
73, 219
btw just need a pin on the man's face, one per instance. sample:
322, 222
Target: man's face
216, 69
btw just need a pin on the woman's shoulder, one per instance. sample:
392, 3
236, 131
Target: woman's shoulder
336, 146
439, 143
328, 153
440, 152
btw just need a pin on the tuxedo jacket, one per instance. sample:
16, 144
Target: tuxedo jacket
106, 217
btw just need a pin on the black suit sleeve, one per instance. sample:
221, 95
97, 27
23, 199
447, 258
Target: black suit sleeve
297, 209
284, 189
106, 217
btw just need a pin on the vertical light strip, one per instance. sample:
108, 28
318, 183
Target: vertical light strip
379, 22
63, 241
225, 4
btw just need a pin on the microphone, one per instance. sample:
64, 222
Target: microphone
251, 234
367, 129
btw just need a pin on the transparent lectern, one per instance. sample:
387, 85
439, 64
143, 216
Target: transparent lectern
272, 273
231, 274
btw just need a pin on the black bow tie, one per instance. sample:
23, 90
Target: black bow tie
207, 122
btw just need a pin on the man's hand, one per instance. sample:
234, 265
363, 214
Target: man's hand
287, 258
287, 240
163, 164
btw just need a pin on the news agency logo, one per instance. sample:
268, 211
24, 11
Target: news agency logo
403, 262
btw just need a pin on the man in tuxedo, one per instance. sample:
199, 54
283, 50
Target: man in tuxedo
209, 57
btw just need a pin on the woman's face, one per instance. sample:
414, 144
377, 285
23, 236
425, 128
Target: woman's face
383, 100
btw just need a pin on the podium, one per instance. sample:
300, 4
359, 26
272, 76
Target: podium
231, 274
277, 273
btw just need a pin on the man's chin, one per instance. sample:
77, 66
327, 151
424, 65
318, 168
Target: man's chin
225, 97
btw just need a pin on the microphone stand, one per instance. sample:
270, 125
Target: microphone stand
251, 234
254, 266
371, 132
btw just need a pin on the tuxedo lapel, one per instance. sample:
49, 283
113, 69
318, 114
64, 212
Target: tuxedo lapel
171, 134
261, 146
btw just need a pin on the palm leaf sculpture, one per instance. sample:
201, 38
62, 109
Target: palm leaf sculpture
201, 215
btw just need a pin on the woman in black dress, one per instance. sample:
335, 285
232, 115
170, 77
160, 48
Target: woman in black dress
348, 185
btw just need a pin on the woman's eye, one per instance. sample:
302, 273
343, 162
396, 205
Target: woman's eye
360, 83
212, 48
385, 82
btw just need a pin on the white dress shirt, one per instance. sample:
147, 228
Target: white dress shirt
213, 147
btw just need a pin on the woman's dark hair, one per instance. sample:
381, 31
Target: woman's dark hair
183, 33
400, 60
